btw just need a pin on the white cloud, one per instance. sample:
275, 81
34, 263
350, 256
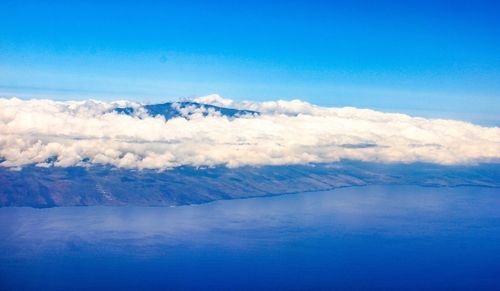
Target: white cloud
287, 132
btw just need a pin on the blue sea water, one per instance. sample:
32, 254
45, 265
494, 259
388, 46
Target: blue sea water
360, 238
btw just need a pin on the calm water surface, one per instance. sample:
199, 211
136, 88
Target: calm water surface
377, 237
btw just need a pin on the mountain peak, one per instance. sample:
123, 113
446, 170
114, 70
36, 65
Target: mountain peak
171, 110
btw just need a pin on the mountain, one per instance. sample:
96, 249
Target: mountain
97, 184
171, 110
104, 185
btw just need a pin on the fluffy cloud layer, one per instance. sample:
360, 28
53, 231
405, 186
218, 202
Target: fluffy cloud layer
46, 133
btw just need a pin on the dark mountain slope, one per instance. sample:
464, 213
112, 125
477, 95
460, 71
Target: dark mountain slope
103, 185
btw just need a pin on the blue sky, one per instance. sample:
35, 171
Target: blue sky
437, 58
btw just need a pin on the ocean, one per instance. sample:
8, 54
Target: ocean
357, 238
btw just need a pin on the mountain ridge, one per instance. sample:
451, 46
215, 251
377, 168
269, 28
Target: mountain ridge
171, 110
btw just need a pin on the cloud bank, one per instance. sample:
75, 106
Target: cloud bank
50, 133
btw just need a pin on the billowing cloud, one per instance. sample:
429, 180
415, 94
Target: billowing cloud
46, 133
